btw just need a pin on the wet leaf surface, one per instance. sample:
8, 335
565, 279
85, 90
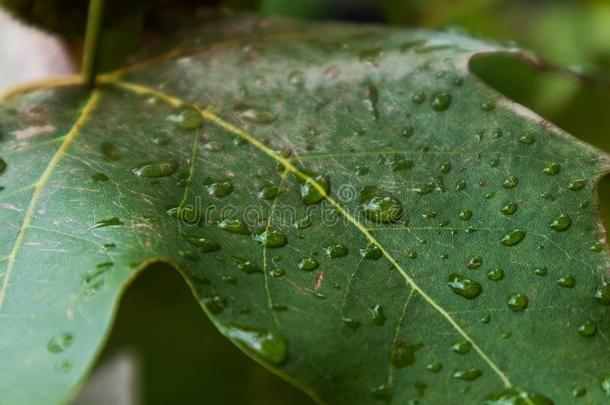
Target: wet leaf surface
410, 210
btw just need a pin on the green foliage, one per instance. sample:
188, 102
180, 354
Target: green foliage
351, 206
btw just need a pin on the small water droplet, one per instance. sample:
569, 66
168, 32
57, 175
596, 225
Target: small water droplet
186, 117
488, 105
462, 347
561, 223
271, 237
114, 221
308, 264
377, 315
218, 189
510, 182
445, 167
418, 97
204, 244
109, 152
466, 374
99, 177
587, 329
566, 281
60, 342
302, 223
245, 265
495, 274
577, 184
370, 251
441, 101
155, 169
407, 131
527, 139
234, 226
579, 392
361, 170
269, 192
254, 114
541, 271
602, 294
474, 262
464, 287
509, 209
434, 367
514, 237
215, 304
268, 345
403, 354
336, 250
517, 396
518, 302
552, 169
465, 215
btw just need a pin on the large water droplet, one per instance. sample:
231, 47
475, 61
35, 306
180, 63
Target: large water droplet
464, 287
268, 345
514, 237
379, 206
315, 189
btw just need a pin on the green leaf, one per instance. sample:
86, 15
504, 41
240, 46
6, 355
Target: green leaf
356, 210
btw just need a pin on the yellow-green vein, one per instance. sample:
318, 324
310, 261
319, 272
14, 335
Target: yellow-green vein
39, 187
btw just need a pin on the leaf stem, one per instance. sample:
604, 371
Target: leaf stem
92, 39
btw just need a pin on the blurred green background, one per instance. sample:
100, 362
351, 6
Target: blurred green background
181, 358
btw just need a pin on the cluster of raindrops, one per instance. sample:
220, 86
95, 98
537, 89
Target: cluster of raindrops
378, 206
